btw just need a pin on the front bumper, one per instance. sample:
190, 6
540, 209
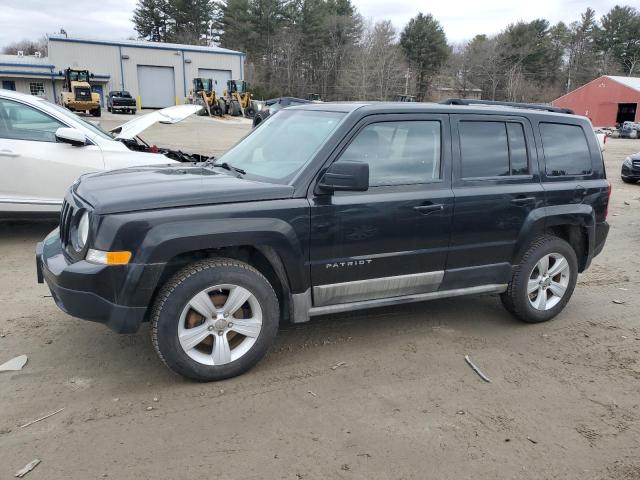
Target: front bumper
117, 296
630, 173
128, 108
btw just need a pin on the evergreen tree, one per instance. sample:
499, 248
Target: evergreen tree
150, 19
425, 46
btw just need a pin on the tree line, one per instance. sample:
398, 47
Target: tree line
296, 47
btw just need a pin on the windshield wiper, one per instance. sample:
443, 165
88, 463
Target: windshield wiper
229, 167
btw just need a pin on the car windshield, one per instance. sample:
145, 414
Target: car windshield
125, 94
91, 126
283, 143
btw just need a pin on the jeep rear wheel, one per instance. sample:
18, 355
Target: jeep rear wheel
214, 319
544, 281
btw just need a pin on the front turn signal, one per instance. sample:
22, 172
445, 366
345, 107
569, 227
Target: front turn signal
108, 258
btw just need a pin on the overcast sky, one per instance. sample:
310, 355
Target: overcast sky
462, 19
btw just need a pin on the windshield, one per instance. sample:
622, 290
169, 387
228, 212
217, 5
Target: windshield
283, 143
94, 128
78, 76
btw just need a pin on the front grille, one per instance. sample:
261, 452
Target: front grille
636, 163
66, 216
83, 93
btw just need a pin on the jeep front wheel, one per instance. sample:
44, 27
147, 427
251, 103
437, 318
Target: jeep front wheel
214, 319
544, 281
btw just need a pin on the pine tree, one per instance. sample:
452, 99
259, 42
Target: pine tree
425, 46
150, 19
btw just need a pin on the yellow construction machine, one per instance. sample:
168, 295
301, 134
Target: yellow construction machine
204, 94
237, 99
77, 95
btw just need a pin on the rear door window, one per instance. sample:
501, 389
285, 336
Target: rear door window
493, 149
566, 151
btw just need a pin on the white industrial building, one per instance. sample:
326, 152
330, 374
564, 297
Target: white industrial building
157, 74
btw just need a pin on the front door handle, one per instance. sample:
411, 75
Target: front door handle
427, 209
523, 200
8, 153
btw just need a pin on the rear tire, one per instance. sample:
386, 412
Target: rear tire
96, 112
543, 282
223, 106
234, 297
235, 108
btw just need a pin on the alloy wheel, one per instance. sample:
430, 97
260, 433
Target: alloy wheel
548, 281
220, 324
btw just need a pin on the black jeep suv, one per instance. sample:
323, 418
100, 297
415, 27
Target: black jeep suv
329, 208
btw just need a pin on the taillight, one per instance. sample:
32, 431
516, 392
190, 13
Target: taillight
606, 210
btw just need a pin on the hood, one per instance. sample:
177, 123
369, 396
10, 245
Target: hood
167, 186
173, 114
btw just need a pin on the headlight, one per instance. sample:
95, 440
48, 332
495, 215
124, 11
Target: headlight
627, 162
82, 233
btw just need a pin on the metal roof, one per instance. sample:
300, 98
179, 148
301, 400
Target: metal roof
26, 61
631, 82
143, 44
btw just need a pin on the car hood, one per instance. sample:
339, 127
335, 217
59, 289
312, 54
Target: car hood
168, 186
168, 115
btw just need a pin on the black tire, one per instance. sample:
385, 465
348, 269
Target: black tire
628, 180
516, 298
96, 112
108, 109
259, 117
223, 106
235, 109
249, 112
195, 278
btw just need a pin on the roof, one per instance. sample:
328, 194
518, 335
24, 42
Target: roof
631, 82
143, 44
26, 61
426, 107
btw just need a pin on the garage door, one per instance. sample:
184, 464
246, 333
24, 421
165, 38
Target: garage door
157, 86
220, 75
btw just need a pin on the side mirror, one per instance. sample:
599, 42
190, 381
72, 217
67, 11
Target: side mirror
72, 136
346, 176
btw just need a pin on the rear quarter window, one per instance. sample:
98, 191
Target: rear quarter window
566, 151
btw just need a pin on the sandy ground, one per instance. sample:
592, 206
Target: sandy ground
564, 400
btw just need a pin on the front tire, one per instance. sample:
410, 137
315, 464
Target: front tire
628, 180
214, 319
543, 282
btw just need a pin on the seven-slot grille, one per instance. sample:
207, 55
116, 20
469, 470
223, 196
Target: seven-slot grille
635, 163
66, 216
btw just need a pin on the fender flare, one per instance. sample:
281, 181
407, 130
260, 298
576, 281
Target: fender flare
541, 219
169, 240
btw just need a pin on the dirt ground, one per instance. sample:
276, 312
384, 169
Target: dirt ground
563, 402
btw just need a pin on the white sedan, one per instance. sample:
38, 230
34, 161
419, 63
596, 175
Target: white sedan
44, 148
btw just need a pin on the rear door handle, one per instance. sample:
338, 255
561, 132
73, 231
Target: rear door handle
523, 200
8, 153
427, 209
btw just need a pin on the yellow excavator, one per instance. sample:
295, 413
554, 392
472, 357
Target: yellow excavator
204, 94
77, 95
237, 100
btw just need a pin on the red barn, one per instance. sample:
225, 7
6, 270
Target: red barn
607, 100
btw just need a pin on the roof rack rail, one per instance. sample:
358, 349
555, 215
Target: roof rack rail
530, 106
